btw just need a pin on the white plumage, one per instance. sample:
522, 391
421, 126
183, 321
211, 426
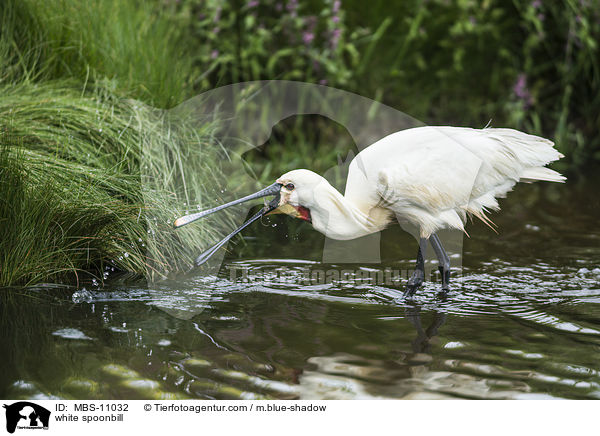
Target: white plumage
432, 177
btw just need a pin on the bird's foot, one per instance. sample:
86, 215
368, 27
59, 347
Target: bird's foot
445, 279
414, 282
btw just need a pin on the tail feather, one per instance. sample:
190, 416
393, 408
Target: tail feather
541, 173
519, 157
526, 147
531, 152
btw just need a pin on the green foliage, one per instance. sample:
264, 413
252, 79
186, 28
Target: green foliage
127, 44
525, 64
275, 39
560, 60
73, 149
71, 185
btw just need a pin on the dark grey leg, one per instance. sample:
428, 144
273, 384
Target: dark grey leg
418, 276
444, 261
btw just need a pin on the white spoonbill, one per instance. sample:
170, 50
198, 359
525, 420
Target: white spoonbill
432, 177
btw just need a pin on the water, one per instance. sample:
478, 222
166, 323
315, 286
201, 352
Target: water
522, 321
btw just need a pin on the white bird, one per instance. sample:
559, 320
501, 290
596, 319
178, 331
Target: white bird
432, 177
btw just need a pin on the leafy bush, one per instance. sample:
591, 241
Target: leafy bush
524, 64
558, 88
276, 39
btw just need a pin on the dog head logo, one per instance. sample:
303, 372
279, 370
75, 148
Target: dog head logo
26, 415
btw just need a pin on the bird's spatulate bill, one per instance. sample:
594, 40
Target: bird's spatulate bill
272, 205
273, 189
269, 190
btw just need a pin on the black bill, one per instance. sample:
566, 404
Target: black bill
272, 205
274, 189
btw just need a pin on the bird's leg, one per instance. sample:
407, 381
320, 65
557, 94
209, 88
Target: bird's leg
418, 276
443, 259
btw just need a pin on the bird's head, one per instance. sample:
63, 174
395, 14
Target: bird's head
297, 194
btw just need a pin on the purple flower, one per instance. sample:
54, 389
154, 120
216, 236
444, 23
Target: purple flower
520, 89
536, 4
336, 6
335, 19
335, 38
252, 4
323, 82
214, 54
520, 85
308, 37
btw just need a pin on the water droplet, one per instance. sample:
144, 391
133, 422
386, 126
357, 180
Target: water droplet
82, 296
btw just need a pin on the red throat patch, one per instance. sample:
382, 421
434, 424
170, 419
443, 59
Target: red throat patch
304, 213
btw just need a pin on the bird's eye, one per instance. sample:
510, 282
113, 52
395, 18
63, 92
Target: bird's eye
290, 186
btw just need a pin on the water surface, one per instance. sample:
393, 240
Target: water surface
522, 321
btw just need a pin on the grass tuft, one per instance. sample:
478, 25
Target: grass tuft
73, 142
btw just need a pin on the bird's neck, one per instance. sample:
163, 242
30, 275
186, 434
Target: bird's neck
339, 218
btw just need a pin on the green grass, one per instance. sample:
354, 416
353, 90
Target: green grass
71, 185
130, 45
89, 178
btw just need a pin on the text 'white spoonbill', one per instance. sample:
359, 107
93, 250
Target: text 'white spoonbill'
432, 177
